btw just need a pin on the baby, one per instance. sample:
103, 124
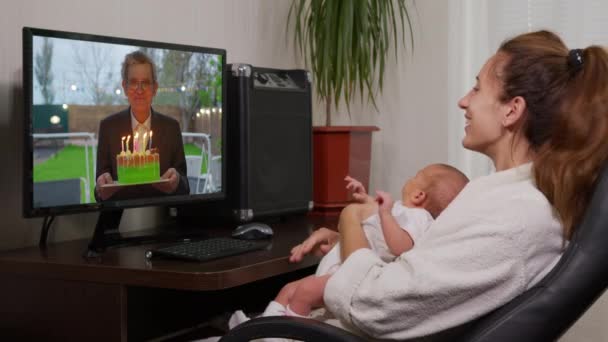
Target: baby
391, 230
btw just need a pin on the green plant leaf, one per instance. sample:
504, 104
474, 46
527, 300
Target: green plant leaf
345, 43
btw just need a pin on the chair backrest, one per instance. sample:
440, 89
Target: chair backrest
193, 165
215, 168
548, 310
57, 192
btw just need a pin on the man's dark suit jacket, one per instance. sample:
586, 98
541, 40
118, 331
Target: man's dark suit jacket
167, 138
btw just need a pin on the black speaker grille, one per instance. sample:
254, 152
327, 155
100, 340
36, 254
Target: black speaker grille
270, 142
280, 150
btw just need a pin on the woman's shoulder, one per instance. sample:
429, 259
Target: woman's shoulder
496, 189
499, 188
517, 176
510, 204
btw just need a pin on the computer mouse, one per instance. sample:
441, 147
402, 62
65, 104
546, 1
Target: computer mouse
252, 231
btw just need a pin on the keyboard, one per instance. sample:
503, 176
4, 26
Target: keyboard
208, 249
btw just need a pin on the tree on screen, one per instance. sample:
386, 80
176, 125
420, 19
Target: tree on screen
156, 57
187, 80
175, 78
42, 70
95, 67
176, 69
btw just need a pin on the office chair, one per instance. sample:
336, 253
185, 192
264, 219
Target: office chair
193, 167
542, 313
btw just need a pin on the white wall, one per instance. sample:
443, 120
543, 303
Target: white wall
592, 326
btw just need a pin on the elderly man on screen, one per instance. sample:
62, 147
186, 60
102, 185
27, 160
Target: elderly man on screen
139, 120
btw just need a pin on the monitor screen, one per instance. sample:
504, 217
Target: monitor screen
116, 122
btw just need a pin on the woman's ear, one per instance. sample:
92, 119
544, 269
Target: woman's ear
418, 197
516, 108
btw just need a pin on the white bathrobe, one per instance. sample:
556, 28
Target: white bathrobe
496, 239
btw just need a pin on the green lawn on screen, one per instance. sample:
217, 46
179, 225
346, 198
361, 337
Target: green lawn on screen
193, 150
69, 162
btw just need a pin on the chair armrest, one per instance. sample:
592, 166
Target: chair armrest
296, 328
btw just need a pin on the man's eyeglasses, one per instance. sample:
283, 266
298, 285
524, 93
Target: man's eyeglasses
134, 85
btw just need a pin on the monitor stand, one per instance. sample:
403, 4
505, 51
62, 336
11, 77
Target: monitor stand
107, 235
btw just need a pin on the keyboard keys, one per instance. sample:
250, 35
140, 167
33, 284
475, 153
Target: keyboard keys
208, 249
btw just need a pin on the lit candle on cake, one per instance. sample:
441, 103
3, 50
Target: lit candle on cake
144, 142
122, 145
136, 142
127, 144
150, 147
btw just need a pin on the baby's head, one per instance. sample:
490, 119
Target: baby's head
433, 188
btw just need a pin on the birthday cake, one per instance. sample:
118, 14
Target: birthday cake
136, 168
141, 166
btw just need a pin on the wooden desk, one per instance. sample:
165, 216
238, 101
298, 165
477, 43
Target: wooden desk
56, 294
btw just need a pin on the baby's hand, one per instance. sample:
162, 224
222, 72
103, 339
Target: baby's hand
359, 193
385, 201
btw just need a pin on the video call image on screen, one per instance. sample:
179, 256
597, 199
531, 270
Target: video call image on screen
78, 83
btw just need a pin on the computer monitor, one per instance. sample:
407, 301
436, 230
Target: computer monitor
154, 135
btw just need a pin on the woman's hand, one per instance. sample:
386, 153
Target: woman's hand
319, 243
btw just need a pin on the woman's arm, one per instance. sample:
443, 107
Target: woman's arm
447, 282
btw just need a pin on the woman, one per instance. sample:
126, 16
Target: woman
540, 112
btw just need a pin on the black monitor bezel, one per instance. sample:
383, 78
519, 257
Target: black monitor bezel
27, 154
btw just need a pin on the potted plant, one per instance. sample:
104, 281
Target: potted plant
345, 44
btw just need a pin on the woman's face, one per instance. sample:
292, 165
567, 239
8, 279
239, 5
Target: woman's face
484, 112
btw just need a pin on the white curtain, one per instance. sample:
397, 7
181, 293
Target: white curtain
468, 49
477, 27
580, 23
